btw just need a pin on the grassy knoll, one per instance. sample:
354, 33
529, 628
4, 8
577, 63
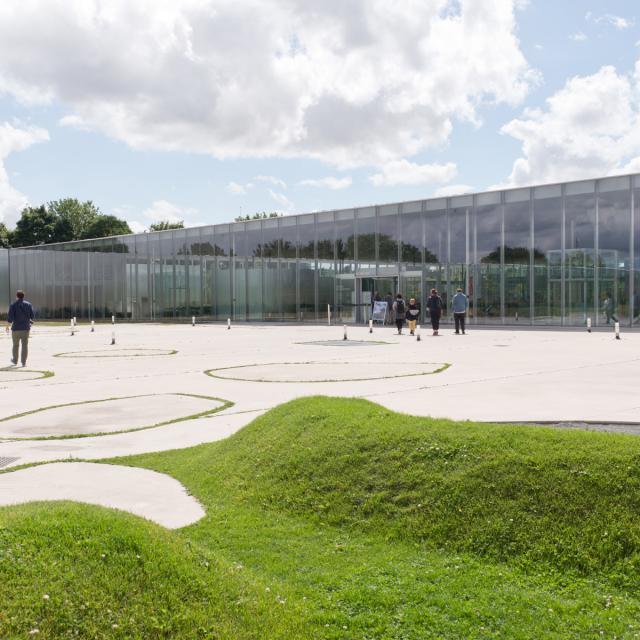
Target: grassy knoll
331, 518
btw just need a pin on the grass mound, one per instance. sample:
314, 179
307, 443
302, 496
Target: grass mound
70, 570
337, 519
566, 499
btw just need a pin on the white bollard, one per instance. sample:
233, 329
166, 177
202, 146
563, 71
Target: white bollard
344, 337
193, 321
228, 323
418, 338
75, 321
71, 326
93, 326
589, 325
113, 337
370, 326
516, 316
616, 328
329, 314
113, 319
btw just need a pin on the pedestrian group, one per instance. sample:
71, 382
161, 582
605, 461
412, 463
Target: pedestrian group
411, 312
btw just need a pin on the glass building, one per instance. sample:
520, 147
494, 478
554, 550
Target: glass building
545, 255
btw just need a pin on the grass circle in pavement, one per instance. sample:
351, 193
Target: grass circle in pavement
7, 374
133, 352
224, 404
311, 372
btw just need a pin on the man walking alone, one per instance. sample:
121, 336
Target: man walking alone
459, 304
19, 320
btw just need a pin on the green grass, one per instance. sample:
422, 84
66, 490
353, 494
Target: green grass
331, 518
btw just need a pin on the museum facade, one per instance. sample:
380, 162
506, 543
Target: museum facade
543, 255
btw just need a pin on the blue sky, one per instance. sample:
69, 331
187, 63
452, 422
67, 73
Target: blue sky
314, 109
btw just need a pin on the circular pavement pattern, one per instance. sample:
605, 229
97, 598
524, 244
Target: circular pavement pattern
145, 493
134, 352
22, 375
324, 371
111, 415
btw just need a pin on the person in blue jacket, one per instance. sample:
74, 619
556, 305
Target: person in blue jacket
19, 320
459, 305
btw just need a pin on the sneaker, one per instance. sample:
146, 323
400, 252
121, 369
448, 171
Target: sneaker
24, 364
458, 333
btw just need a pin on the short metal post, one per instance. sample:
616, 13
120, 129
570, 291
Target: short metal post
193, 321
589, 325
113, 337
228, 323
93, 326
616, 328
113, 319
71, 326
418, 338
516, 316
329, 314
370, 326
345, 332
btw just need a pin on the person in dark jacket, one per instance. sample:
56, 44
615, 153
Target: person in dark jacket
19, 320
399, 310
434, 304
413, 314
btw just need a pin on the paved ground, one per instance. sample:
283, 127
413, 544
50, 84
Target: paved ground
142, 492
495, 375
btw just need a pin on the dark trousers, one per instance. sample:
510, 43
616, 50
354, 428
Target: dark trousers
399, 324
435, 321
458, 318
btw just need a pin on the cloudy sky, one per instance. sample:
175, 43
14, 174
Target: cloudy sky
200, 110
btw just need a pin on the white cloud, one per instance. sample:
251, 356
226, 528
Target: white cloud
239, 189
351, 83
272, 180
589, 127
282, 200
14, 139
615, 21
330, 182
578, 37
452, 190
409, 173
163, 210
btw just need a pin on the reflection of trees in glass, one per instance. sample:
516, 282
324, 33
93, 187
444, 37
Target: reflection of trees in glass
205, 249
366, 246
387, 248
513, 255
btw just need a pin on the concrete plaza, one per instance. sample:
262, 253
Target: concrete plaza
134, 393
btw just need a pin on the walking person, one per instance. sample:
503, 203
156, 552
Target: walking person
389, 300
434, 304
459, 305
399, 312
19, 320
413, 313
609, 309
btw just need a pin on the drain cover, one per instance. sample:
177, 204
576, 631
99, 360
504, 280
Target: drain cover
7, 461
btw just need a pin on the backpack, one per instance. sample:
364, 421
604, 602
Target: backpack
435, 303
399, 306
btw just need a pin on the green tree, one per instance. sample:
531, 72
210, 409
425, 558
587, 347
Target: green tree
105, 225
259, 216
4, 236
165, 225
79, 215
38, 225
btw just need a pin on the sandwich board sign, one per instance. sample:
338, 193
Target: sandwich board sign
379, 313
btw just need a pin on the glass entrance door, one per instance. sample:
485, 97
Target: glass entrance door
370, 287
